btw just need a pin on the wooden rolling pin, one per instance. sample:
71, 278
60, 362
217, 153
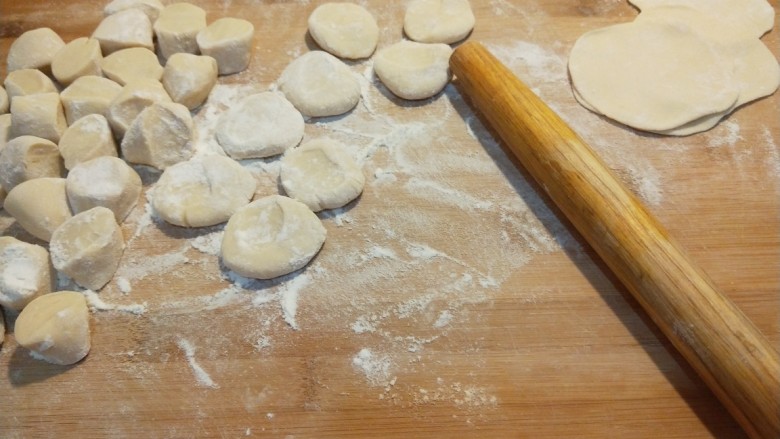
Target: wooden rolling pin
729, 353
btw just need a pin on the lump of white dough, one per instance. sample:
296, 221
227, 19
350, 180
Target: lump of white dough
319, 84
414, 70
321, 174
271, 237
80, 57
28, 157
55, 327
229, 41
160, 136
151, 8
106, 182
189, 78
177, 28
88, 138
4, 106
131, 101
260, 125
202, 192
127, 28
88, 95
346, 30
25, 272
24, 82
34, 49
125, 65
5, 130
38, 115
39, 205
438, 21
87, 247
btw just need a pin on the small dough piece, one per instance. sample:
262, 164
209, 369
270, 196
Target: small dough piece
25, 272
88, 138
38, 115
5, 130
28, 157
346, 30
131, 101
39, 205
125, 65
88, 95
229, 41
321, 174
271, 237
189, 78
319, 84
260, 125
25, 82
104, 181
177, 28
151, 8
438, 21
128, 28
34, 49
414, 70
80, 57
160, 136
4, 105
87, 247
55, 327
202, 192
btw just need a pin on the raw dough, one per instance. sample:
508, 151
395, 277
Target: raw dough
104, 181
39, 205
25, 272
80, 57
128, 28
177, 28
125, 65
55, 327
28, 157
88, 95
4, 105
5, 130
346, 30
160, 136
321, 174
438, 21
319, 84
27, 82
414, 70
34, 49
151, 8
87, 247
131, 101
38, 115
260, 125
203, 191
86, 139
271, 237
189, 78
229, 41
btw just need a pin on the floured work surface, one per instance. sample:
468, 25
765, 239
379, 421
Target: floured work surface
448, 300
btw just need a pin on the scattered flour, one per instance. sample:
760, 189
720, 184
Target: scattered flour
201, 376
96, 303
375, 367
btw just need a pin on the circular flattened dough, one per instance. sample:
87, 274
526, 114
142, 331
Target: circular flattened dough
128, 28
88, 95
271, 237
125, 65
414, 70
346, 30
25, 272
34, 49
39, 205
177, 28
229, 41
104, 181
189, 78
319, 84
28, 157
261, 125
80, 57
438, 21
86, 139
202, 192
38, 115
28, 82
321, 174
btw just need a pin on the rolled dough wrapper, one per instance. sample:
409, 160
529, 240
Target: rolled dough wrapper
131, 101
39, 205
189, 78
126, 65
25, 82
88, 95
25, 272
128, 28
151, 8
229, 41
346, 30
80, 57
414, 70
177, 28
106, 182
34, 49
319, 84
28, 157
160, 136
88, 138
38, 115
438, 21
4, 105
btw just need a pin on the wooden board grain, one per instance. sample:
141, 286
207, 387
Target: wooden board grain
450, 299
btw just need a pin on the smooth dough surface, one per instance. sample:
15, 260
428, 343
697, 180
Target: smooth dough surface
125, 65
88, 95
80, 57
177, 28
151, 8
229, 41
134, 97
103, 181
87, 138
4, 106
24, 82
414, 70
346, 30
39, 205
127, 28
160, 136
28, 157
25, 272
189, 78
38, 115
34, 49
319, 84
438, 21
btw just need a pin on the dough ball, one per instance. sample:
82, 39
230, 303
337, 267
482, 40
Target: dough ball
321, 174
271, 237
80, 57
39, 205
319, 84
27, 82
125, 65
38, 115
260, 125
5, 130
151, 8
28, 157
414, 70
160, 136
189, 78
346, 30
87, 247
34, 49
177, 28
202, 192
104, 181
25, 272
55, 327
131, 101
128, 28
229, 41
438, 21
4, 105
87, 138
88, 95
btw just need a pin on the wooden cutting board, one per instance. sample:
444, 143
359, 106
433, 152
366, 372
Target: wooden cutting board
449, 300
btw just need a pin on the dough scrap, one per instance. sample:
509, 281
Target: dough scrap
88, 95
346, 30
88, 138
38, 115
414, 70
271, 237
39, 205
25, 82
229, 41
160, 136
438, 21
80, 57
25, 272
131, 101
321, 174
260, 125
28, 157
4, 105
189, 78
319, 84
151, 8
34, 49
104, 181
125, 65
124, 29
177, 28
